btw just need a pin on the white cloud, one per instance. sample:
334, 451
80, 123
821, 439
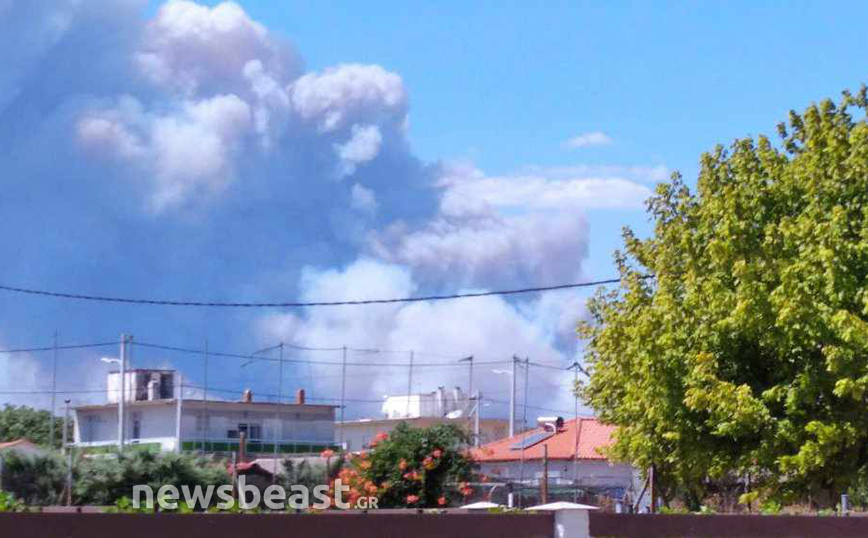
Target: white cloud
640, 174
489, 328
497, 231
543, 194
189, 152
363, 146
595, 138
363, 199
350, 94
495, 250
192, 48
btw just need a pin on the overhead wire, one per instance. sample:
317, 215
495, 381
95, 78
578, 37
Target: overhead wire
294, 304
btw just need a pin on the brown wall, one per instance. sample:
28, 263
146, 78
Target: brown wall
386, 524
653, 526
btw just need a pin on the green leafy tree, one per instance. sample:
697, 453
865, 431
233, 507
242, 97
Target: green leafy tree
747, 352
34, 480
17, 422
104, 481
412, 467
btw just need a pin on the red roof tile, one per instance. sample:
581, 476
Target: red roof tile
593, 437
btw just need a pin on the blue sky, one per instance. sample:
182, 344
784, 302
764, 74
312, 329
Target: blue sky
327, 151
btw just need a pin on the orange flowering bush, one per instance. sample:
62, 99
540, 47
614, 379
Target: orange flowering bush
412, 467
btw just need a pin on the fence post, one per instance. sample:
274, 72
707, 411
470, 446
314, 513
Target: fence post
571, 519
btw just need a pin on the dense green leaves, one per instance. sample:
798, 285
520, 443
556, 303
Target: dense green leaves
35, 480
17, 422
748, 351
103, 481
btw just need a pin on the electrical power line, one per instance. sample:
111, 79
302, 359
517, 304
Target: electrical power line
51, 348
157, 302
305, 361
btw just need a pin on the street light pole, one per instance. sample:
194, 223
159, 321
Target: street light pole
343, 393
469, 361
68, 452
53, 393
577, 426
278, 428
123, 395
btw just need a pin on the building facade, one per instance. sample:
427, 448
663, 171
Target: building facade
421, 411
358, 434
153, 421
570, 453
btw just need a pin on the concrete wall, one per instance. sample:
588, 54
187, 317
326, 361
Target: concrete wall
158, 423
359, 434
590, 473
292, 426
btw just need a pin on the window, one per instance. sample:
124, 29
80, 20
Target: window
137, 427
252, 431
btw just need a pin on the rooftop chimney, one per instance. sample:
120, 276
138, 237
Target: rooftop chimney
247, 396
299, 397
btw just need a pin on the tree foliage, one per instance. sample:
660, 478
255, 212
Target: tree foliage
103, 481
35, 480
415, 467
17, 422
747, 352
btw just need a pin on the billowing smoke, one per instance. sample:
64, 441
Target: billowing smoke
192, 155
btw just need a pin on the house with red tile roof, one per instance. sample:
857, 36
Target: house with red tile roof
575, 450
23, 447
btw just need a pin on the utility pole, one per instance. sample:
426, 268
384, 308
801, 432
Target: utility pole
409, 384
578, 427
123, 394
544, 487
205, 401
524, 430
343, 393
469, 361
526, 387
652, 489
278, 430
476, 419
512, 398
68, 452
53, 392
178, 413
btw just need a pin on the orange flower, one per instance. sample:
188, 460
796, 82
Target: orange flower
412, 499
365, 465
441, 501
466, 491
382, 436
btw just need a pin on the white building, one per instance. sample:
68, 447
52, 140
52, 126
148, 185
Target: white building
440, 403
420, 411
160, 419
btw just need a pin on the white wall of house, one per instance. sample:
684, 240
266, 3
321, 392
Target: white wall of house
433, 404
590, 472
358, 434
150, 423
289, 426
